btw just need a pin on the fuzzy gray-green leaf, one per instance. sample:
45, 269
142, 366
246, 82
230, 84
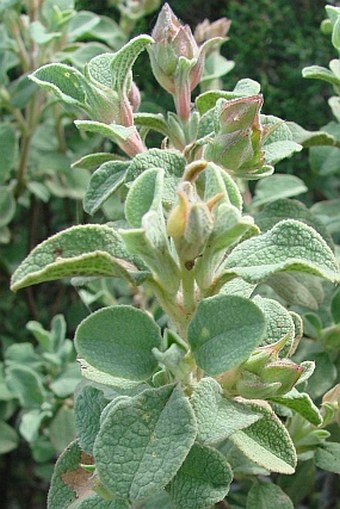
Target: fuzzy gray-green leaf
275, 152
327, 457
26, 384
7, 205
143, 441
104, 182
65, 81
217, 416
203, 479
119, 341
283, 208
267, 442
277, 187
97, 502
88, 406
224, 331
279, 323
87, 250
8, 149
115, 132
152, 121
301, 403
266, 495
173, 164
9, 438
145, 193
124, 59
289, 246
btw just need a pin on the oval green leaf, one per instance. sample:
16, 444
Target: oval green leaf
203, 479
86, 250
103, 183
224, 331
143, 441
218, 417
119, 340
267, 442
266, 495
289, 246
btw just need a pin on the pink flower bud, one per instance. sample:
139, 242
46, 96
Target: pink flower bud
176, 59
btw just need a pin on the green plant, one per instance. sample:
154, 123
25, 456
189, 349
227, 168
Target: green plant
39, 381
181, 397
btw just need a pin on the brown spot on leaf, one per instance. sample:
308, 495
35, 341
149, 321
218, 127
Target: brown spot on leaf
80, 481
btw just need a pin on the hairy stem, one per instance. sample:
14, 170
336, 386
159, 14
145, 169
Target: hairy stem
188, 287
175, 313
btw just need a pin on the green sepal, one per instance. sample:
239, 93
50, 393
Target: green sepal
105, 181
203, 479
284, 371
250, 386
217, 416
228, 228
218, 181
143, 442
224, 331
86, 250
266, 442
119, 341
